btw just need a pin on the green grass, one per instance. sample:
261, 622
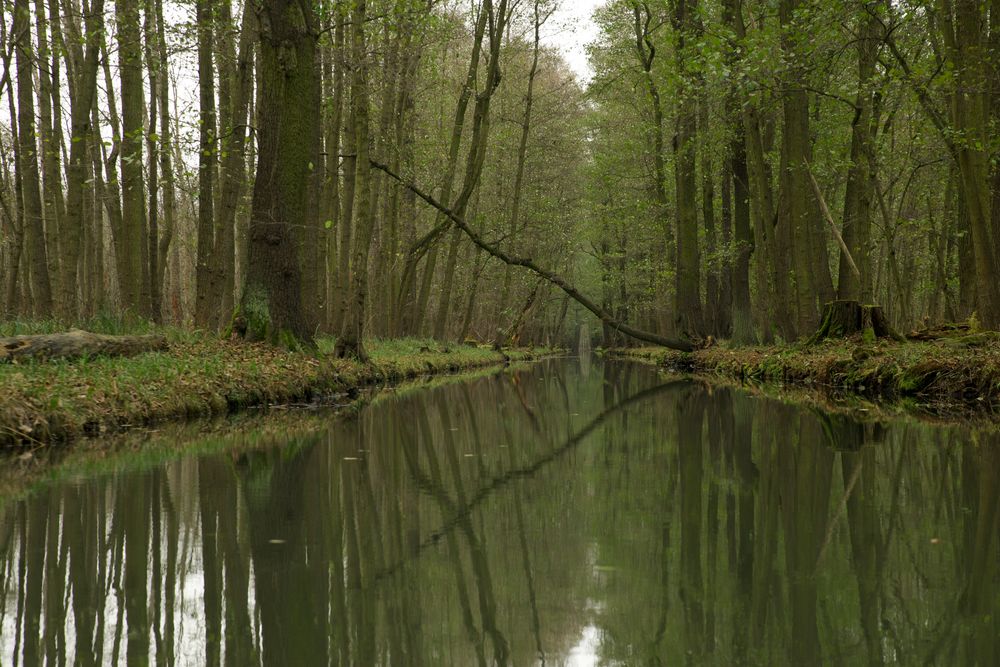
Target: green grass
116, 325
200, 375
950, 376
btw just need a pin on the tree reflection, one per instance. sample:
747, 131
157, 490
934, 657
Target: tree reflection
521, 519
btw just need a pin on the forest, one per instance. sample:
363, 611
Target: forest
239, 237
368, 169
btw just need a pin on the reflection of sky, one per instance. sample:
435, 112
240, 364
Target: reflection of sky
189, 616
584, 654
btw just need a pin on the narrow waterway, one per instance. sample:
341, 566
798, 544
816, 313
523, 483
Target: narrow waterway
569, 513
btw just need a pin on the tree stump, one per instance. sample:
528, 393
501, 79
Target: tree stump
842, 319
76, 343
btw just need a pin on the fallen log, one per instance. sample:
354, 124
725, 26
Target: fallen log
842, 319
74, 344
947, 330
552, 277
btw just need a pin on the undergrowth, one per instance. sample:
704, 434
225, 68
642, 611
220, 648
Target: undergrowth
199, 375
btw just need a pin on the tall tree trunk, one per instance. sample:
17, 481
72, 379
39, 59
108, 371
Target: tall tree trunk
860, 185
522, 158
13, 211
166, 144
152, 166
346, 221
95, 248
964, 26
311, 251
52, 193
237, 75
713, 297
413, 313
687, 300
397, 38
351, 340
646, 52
795, 211
135, 289
207, 154
113, 196
405, 129
288, 111
77, 169
771, 266
41, 290
336, 61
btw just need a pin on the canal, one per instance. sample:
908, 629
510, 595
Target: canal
571, 512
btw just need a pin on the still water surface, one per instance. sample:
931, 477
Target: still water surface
563, 514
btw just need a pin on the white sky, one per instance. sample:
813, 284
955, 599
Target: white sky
570, 30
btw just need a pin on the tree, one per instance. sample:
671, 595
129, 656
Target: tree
28, 164
271, 307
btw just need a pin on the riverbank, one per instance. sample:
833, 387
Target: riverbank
200, 376
23, 471
959, 376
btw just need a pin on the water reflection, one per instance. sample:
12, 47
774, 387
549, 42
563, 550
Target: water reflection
567, 514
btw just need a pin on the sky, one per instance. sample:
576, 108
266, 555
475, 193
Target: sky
570, 29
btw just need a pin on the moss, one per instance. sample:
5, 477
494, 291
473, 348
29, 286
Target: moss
256, 314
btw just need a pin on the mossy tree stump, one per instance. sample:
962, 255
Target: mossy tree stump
842, 319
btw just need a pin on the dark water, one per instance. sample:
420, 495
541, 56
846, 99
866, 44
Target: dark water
566, 514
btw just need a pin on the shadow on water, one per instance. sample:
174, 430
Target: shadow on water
577, 512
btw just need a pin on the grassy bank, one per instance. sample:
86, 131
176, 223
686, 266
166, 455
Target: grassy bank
202, 375
22, 472
959, 375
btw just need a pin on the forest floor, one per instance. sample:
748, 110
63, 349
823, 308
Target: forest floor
954, 377
201, 375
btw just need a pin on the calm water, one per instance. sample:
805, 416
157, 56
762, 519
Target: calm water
568, 514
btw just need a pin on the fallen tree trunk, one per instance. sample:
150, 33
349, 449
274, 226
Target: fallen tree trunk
555, 279
76, 343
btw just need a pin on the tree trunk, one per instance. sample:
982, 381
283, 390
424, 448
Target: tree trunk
52, 193
41, 290
351, 340
271, 307
346, 221
646, 52
522, 158
413, 313
135, 289
166, 164
237, 75
152, 166
335, 61
77, 169
845, 318
687, 309
74, 344
207, 153
859, 193
795, 209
